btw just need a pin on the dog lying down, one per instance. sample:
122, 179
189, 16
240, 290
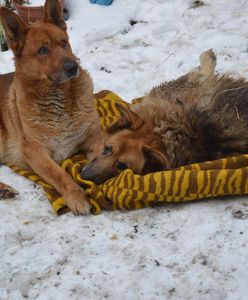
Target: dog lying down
200, 116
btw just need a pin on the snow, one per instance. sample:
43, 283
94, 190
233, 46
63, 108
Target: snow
177, 251
34, 3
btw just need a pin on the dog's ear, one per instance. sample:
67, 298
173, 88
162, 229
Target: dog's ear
128, 120
155, 160
15, 29
53, 14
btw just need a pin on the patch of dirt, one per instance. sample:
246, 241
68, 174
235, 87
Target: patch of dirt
197, 3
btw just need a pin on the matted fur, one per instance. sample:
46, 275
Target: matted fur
200, 116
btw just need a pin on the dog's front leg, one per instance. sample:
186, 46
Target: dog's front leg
40, 161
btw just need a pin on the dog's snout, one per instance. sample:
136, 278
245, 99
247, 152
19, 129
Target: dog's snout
86, 172
71, 67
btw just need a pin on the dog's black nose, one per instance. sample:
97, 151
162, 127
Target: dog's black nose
86, 172
71, 67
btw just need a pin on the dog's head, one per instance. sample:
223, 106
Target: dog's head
129, 143
41, 50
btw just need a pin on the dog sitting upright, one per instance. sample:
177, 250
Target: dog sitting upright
47, 110
200, 116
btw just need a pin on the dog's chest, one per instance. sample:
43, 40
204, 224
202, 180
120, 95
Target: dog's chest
70, 142
62, 123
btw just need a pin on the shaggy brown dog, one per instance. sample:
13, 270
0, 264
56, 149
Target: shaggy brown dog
200, 116
47, 111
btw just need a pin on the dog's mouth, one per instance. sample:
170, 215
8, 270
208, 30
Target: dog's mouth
91, 172
62, 77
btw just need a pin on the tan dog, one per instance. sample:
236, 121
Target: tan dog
200, 116
47, 111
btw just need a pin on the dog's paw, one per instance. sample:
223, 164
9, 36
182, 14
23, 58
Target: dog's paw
7, 191
208, 56
77, 202
80, 207
208, 62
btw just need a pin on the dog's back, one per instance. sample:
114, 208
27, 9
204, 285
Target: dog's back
220, 119
200, 118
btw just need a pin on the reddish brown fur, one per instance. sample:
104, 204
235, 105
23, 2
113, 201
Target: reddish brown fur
47, 110
200, 116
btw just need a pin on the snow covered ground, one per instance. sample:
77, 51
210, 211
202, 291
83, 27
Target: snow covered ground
185, 251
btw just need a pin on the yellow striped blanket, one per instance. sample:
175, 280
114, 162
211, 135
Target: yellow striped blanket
130, 191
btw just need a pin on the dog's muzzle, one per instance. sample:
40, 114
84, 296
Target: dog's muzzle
86, 172
71, 68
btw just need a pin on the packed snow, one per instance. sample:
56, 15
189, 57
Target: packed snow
195, 250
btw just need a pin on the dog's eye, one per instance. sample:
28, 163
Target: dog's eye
121, 166
107, 150
63, 43
43, 51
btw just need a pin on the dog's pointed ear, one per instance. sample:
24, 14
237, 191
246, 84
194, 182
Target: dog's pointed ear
128, 119
15, 29
155, 160
53, 14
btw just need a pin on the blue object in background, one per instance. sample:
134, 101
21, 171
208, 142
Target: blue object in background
102, 2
